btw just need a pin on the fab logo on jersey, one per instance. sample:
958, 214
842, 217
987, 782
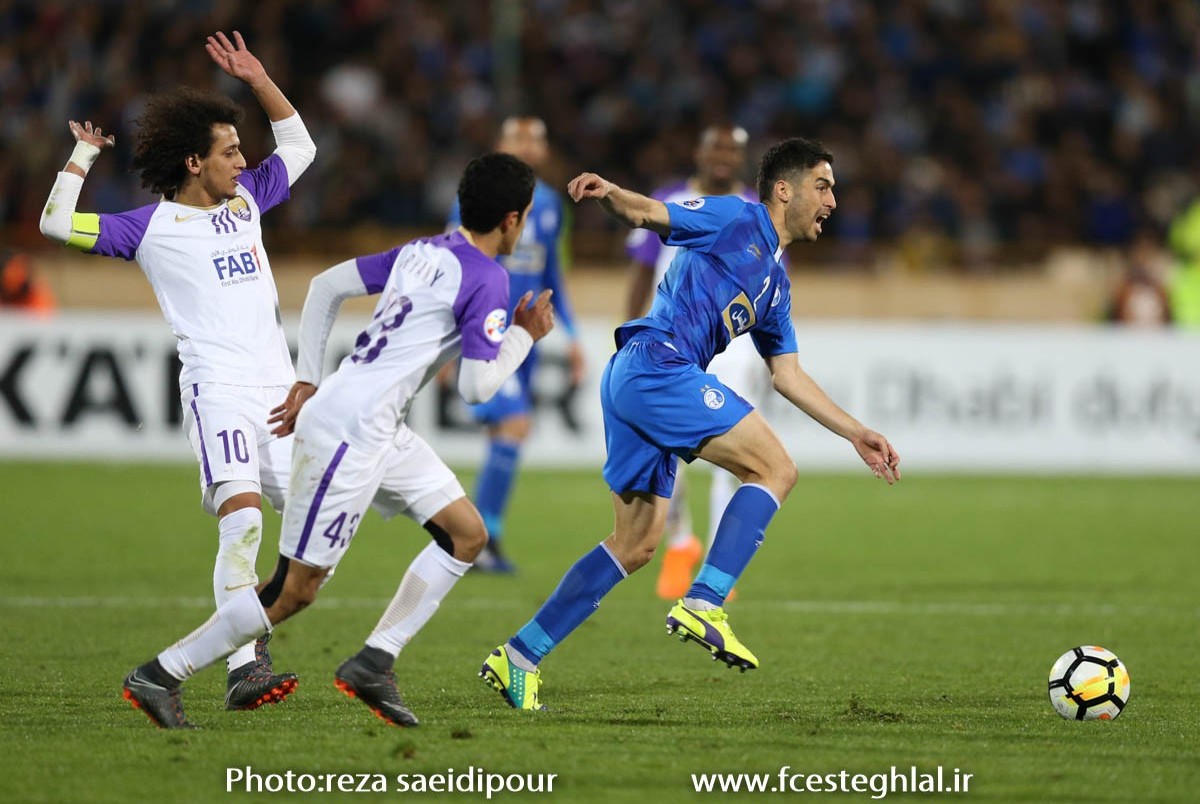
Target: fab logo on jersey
494, 325
236, 266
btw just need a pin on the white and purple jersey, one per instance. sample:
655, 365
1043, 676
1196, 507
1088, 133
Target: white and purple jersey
212, 278
440, 297
644, 246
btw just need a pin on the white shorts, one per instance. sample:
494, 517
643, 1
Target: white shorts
227, 428
742, 368
333, 483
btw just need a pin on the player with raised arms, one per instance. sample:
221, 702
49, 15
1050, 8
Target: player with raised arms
659, 403
720, 157
201, 248
536, 264
440, 297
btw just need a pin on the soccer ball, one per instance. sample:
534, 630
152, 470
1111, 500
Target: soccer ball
1089, 683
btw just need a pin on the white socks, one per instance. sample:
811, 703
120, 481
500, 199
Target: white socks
240, 535
429, 578
240, 619
724, 485
679, 517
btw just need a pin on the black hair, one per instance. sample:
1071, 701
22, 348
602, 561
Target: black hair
174, 126
492, 186
784, 159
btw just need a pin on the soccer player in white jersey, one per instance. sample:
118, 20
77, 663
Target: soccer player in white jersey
201, 248
720, 158
439, 297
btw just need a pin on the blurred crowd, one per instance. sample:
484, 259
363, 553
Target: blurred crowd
958, 126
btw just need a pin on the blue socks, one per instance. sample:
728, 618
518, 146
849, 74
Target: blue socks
495, 484
577, 596
738, 536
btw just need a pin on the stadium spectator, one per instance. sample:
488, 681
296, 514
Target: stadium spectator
20, 286
1140, 298
1021, 103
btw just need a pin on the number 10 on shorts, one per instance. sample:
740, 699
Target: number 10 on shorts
240, 447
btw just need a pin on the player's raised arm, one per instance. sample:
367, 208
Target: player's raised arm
635, 210
60, 222
293, 143
326, 293
793, 383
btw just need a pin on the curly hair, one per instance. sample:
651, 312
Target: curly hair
173, 126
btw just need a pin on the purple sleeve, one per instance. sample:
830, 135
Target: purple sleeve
122, 233
643, 247
481, 309
376, 268
267, 183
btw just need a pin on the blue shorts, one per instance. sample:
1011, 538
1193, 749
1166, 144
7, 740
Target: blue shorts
515, 397
658, 405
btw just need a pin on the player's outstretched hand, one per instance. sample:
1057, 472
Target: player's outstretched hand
92, 136
235, 59
878, 454
536, 319
285, 415
588, 185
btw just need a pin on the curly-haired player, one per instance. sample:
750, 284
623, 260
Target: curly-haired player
201, 248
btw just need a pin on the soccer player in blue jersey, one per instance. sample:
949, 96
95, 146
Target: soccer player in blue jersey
536, 265
659, 403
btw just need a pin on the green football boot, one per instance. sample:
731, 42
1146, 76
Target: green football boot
711, 630
518, 687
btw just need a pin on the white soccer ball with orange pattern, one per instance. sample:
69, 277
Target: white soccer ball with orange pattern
1089, 683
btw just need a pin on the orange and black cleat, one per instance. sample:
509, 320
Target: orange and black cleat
163, 705
377, 690
255, 683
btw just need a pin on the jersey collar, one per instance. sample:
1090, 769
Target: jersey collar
768, 230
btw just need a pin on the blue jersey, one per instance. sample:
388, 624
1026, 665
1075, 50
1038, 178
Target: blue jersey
726, 280
534, 264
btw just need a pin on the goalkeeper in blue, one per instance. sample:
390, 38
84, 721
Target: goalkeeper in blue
659, 403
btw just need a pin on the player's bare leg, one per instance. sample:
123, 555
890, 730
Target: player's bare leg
752, 452
683, 548
511, 668
458, 537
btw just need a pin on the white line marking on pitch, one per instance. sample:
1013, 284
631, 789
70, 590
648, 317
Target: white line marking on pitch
847, 607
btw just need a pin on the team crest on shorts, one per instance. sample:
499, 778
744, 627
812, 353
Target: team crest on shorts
240, 209
713, 398
495, 324
693, 203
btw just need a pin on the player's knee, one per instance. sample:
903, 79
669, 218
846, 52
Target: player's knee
788, 475
637, 558
631, 552
464, 541
292, 588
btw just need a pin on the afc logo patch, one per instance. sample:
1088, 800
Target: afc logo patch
693, 203
240, 209
495, 324
713, 398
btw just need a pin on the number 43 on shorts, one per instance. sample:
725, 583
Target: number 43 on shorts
334, 533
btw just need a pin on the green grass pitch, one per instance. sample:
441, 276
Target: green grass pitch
896, 626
